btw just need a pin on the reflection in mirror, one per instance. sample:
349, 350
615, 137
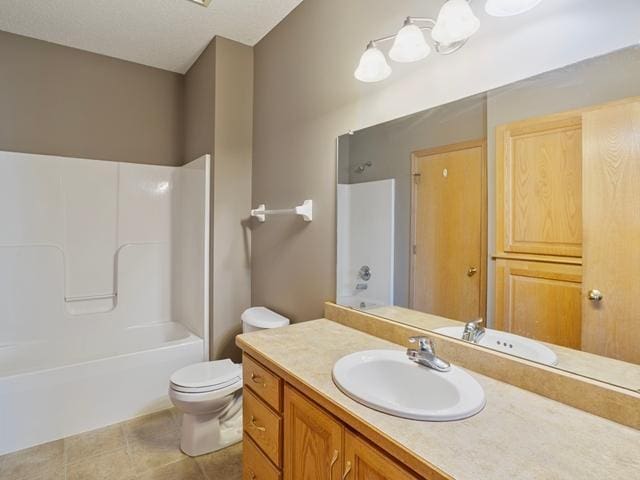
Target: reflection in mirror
510, 219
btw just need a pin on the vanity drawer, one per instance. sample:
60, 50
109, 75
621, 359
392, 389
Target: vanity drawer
264, 383
263, 426
255, 465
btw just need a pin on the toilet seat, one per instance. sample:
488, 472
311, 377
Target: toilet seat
206, 377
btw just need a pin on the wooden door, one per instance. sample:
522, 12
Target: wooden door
612, 231
448, 262
365, 462
312, 440
538, 188
540, 301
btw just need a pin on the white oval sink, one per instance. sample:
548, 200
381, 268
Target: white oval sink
386, 380
508, 343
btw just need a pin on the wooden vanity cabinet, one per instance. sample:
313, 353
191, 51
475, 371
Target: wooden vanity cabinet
311, 443
313, 440
365, 462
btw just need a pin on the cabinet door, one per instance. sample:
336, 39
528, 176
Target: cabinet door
365, 462
540, 301
312, 440
612, 232
539, 186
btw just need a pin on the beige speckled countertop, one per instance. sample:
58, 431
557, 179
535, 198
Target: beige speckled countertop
519, 435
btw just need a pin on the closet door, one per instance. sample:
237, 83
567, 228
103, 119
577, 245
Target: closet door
611, 184
538, 190
539, 300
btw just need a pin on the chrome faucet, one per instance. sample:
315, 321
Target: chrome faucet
425, 354
473, 331
361, 286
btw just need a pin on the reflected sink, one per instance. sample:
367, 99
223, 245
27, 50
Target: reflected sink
387, 381
508, 343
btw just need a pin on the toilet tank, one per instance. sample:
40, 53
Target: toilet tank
261, 318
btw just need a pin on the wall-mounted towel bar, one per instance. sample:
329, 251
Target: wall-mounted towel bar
305, 210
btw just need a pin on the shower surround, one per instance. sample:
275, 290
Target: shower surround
103, 290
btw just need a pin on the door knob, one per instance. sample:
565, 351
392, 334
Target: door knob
472, 271
595, 295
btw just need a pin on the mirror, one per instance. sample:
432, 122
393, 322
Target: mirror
510, 219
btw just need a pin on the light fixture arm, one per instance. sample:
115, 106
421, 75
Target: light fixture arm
429, 23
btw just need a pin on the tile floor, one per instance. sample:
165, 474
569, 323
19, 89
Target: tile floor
145, 448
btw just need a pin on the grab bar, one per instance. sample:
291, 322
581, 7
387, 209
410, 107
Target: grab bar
90, 297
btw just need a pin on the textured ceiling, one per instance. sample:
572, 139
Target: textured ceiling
168, 34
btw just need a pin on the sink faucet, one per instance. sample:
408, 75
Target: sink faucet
425, 354
473, 331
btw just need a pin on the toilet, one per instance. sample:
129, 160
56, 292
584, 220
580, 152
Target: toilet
209, 394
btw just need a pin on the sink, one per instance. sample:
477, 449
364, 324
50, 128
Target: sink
387, 381
508, 343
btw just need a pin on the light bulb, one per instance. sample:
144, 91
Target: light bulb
409, 45
456, 22
373, 66
507, 8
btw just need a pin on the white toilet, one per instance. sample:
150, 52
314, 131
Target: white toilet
209, 394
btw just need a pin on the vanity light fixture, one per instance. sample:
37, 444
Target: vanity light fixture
455, 24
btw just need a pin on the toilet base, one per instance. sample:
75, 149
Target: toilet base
203, 434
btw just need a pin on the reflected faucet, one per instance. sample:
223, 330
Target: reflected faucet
473, 331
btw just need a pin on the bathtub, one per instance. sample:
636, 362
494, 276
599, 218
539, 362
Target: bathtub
55, 388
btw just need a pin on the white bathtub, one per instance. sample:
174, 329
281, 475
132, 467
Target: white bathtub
53, 389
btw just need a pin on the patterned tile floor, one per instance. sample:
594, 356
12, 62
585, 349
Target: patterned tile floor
145, 448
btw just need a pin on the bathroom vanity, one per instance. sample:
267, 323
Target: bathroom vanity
298, 424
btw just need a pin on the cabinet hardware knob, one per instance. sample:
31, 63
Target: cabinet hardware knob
595, 295
334, 459
258, 379
252, 475
346, 471
472, 271
253, 423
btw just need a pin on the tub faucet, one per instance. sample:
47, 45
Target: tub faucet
425, 354
361, 286
473, 331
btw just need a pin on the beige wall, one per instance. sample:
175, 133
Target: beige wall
219, 121
231, 193
306, 96
199, 105
57, 100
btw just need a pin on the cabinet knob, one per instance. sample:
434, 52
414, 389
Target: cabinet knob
595, 295
472, 271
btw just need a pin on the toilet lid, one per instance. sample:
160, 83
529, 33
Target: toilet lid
208, 375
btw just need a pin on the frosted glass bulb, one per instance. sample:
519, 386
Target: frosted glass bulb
373, 66
456, 22
507, 8
409, 45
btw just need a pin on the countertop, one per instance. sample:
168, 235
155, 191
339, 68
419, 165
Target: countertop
518, 435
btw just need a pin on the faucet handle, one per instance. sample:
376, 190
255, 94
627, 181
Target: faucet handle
425, 344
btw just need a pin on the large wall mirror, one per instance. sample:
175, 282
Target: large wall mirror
510, 219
